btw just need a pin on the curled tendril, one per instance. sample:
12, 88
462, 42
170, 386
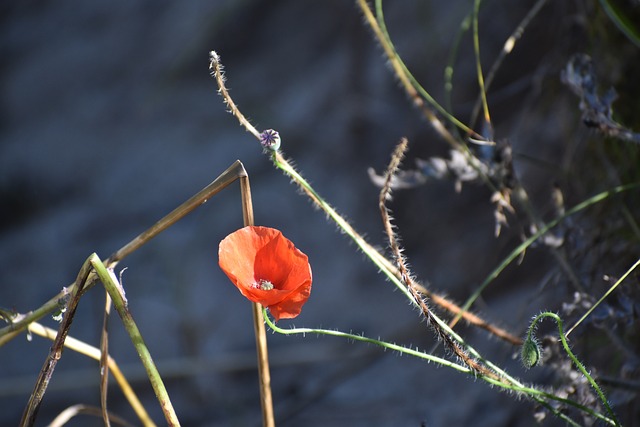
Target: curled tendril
530, 347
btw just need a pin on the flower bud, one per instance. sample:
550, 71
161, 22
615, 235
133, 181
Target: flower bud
530, 354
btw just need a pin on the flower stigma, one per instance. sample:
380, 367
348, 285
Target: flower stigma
270, 139
264, 285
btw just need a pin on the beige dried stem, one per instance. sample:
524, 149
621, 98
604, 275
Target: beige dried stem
406, 277
264, 374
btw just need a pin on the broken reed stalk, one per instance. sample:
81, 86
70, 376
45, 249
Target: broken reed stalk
266, 399
110, 282
21, 321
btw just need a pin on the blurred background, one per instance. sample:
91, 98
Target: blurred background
109, 119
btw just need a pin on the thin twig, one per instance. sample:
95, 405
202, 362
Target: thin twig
606, 294
217, 71
405, 276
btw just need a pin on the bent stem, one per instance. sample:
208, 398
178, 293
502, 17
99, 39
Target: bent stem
573, 358
91, 265
414, 90
21, 321
361, 338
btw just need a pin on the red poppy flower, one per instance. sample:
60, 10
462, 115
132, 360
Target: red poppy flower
267, 268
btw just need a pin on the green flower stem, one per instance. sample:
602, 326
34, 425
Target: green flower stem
540, 396
361, 338
380, 261
117, 295
573, 358
507, 48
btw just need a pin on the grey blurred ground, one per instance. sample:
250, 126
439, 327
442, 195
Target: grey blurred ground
109, 119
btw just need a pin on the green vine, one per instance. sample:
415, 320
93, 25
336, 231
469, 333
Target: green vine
531, 356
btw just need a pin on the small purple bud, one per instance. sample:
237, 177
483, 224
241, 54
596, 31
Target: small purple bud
270, 139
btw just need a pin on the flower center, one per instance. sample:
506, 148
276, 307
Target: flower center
264, 285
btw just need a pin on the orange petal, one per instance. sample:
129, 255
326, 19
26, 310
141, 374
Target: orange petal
255, 253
